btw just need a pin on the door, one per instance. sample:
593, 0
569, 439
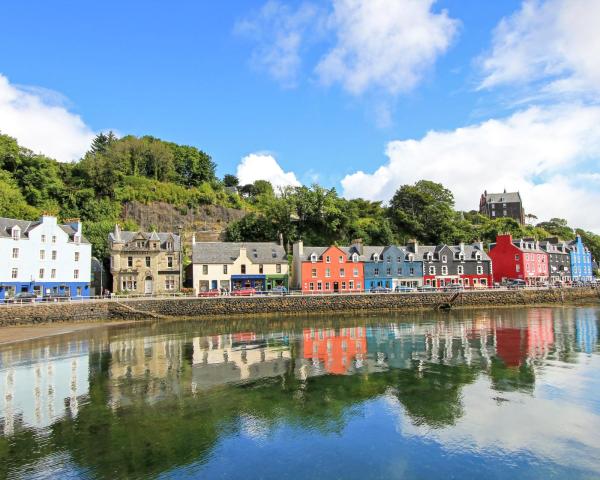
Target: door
148, 285
336, 287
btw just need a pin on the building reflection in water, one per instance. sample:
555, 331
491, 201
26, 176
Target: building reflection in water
41, 384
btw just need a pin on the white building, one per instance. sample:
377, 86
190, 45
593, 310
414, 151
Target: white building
44, 257
232, 265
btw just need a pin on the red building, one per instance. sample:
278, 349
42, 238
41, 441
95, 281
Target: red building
336, 351
518, 259
326, 269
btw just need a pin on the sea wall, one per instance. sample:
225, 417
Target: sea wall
218, 307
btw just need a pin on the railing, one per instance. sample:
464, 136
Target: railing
453, 288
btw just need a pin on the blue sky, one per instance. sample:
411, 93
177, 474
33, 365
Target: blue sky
257, 77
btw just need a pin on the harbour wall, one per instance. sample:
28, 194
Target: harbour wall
151, 308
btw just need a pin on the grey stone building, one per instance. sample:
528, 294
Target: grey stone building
559, 259
502, 205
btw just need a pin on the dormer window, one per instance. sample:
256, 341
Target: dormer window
169, 245
445, 258
313, 257
273, 253
375, 257
341, 259
16, 233
429, 256
355, 257
478, 256
461, 256
77, 238
411, 257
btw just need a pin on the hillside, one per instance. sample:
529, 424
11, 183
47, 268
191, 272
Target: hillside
148, 183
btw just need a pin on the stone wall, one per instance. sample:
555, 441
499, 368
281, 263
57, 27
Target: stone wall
218, 307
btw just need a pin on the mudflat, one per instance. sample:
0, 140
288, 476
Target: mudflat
20, 333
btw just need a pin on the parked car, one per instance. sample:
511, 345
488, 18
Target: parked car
454, 287
55, 297
380, 290
213, 292
426, 288
516, 284
404, 289
244, 292
279, 290
23, 297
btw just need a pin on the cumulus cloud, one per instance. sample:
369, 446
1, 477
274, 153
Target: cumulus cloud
551, 155
280, 33
384, 43
260, 166
40, 122
554, 42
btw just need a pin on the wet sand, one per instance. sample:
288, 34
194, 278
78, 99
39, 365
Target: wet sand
22, 333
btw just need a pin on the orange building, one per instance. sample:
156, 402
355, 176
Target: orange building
327, 269
336, 351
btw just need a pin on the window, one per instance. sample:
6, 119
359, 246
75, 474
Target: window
41, 273
444, 270
432, 270
460, 270
311, 286
328, 259
351, 284
327, 272
170, 283
445, 258
54, 255
399, 271
16, 233
411, 270
15, 273
170, 262
342, 272
355, 257
42, 254
375, 257
130, 262
341, 259
388, 271
148, 262
327, 286
53, 238
76, 274
243, 269
479, 270
355, 273
389, 259
204, 269
53, 273
343, 285
319, 286
169, 245
260, 269
278, 268
517, 257
225, 268
313, 258
313, 273
15, 253
43, 238
376, 272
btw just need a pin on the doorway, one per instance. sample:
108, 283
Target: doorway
148, 285
336, 287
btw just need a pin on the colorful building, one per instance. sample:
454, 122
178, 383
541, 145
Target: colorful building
559, 259
521, 259
44, 257
445, 265
326, 269
233, 266
581, 261
389, 267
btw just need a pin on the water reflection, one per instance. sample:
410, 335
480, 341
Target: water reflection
156, 399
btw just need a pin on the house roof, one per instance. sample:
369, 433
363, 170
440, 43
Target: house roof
228, 252
436, 250
506, 197
126, 237
6, 225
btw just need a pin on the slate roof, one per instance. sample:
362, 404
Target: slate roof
126, 237
227, 252
547, 246
6, 225
506, 197
469, 250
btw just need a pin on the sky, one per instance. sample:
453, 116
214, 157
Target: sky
360, 95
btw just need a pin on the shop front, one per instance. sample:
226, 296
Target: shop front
257, 282
277, 280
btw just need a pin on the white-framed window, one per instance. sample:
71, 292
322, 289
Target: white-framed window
479, 270
319, 286
327, 286
517, 268
311, 286
313, 273
431, 270
313, 258
76, 256
388, 271
351, 284
170, 262
375, 257
16, 233
445, 258
478, 256
328, 259
225, 268
170, 283
444, 270
14, 273
55, 253
42, 254
53, 273
355, 272
342, 272
343, 285
43, 238
341, 259
204, 269
327, 272
355, 257
53, 238
15, 253
41, 273
75, 273
460, 270
261, 268
278, 268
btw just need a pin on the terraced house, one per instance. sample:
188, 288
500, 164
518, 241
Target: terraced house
233, 266
521, 259
559, 259
444, 265
44, 258
389, 267
581, 261
145, 262
326, 269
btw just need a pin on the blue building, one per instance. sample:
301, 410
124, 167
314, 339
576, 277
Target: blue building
581, 261
389, 267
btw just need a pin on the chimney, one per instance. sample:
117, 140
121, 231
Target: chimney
117, 233
358, 244
461, 245
193, 239
480, 245
280, 239
413, 246
298, 248
243, 252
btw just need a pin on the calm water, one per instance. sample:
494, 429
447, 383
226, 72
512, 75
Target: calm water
509, 393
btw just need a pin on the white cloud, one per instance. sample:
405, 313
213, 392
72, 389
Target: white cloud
387, 44
259, 166
42, 124
549, 154
555, 42
279, 33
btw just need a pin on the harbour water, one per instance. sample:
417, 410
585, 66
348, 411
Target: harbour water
503, 393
